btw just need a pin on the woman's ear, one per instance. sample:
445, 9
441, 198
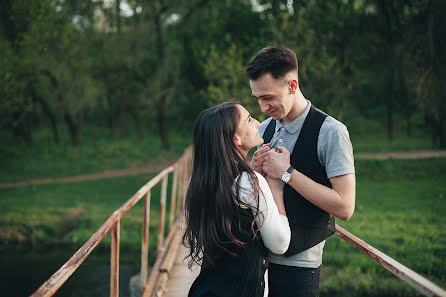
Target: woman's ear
237, 140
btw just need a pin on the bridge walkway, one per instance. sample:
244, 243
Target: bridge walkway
180, 278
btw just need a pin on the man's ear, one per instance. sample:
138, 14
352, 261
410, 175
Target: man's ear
292, 84
237, 140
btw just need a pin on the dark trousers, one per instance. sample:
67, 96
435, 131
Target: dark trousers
290, 281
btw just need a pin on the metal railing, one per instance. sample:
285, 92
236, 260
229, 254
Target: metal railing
166, 248
181, 175
416, 281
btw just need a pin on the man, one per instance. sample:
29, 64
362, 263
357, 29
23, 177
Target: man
318, 174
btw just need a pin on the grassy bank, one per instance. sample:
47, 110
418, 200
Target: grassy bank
66, 215
400, 210
400, 206
98, 152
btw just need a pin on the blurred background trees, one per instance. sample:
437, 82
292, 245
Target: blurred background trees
140, 65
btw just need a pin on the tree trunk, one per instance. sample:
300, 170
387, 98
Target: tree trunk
162, 124
442, 133
110, 116
73, 129
134, 113
123, 109
409, 125
118, 15
47, 111
389, 110
162, 100
21, 127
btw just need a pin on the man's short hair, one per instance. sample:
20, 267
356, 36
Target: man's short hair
275, 60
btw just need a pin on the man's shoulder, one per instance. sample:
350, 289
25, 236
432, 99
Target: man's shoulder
332, 125
264, 124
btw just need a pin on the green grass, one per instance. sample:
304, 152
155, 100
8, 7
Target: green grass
403, 203
375, 142
98, 152
370, 135
402, 215
66, 215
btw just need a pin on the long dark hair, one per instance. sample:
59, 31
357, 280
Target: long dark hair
212, 208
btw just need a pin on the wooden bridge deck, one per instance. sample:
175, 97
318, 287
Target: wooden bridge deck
180, 278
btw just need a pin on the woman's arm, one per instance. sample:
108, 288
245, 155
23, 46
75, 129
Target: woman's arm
276, 186
273, 225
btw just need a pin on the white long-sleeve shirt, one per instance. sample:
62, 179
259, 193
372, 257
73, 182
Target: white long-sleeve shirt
274, 227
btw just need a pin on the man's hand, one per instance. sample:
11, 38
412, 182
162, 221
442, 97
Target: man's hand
258, 158
276, 162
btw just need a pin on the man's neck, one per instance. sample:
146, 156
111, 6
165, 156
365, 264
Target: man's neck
299, 107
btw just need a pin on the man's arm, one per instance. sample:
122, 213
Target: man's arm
338, 201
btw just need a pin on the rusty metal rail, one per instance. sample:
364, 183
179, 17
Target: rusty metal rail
415, 280
166, 247
181, 176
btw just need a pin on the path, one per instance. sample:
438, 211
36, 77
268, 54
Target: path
154, 168
402, 155
160, 166
181, 277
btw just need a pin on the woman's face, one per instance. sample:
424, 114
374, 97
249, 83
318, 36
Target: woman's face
247, 135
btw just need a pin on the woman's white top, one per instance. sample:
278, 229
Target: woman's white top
274, 227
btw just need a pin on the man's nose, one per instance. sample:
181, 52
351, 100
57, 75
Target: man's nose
263, 106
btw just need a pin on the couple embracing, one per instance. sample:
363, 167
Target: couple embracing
258, 228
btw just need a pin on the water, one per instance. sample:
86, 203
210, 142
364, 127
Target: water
22, 272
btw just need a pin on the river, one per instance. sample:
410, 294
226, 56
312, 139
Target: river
22, 272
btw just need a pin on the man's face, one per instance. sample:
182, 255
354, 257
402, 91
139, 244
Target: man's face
273, 95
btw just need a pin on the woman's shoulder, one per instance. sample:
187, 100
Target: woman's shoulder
245, 179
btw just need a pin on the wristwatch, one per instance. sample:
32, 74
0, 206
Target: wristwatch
286, 176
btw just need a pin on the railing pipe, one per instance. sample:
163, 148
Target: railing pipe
415, 280
180, 186
162, 219
50, 287
114, 260
173, 198
145, 240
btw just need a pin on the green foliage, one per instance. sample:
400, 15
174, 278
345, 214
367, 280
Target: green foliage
77, 62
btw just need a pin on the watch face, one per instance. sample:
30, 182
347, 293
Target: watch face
286, 177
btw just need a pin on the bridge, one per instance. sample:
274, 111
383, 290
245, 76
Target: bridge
169, 276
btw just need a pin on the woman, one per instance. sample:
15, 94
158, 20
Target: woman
231, 212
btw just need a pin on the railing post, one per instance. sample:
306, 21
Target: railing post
173, 198
114, 260
180, 187
162, 219
145, 240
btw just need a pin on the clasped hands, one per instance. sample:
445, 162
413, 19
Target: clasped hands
271, 163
